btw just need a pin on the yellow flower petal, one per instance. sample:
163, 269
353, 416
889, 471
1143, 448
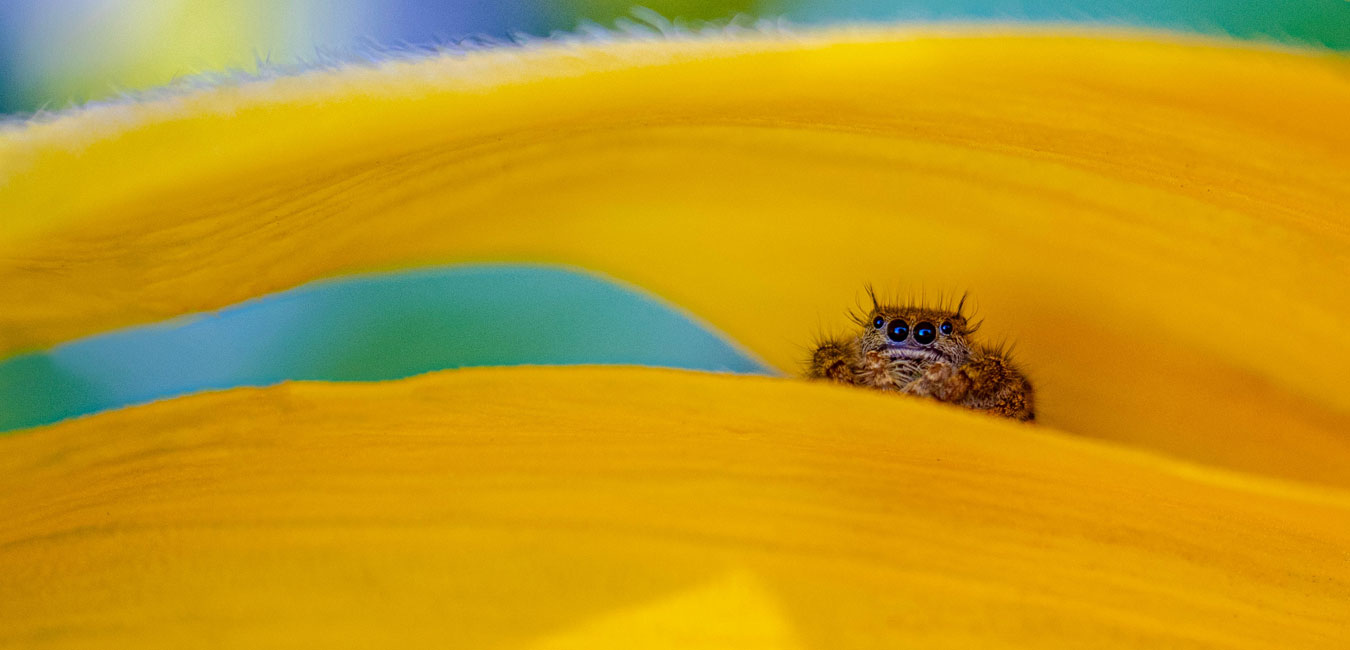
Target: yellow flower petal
527, 508
1160, 225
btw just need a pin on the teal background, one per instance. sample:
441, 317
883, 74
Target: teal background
367, 328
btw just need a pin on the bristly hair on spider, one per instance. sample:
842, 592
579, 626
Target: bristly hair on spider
859, 315
1005, 348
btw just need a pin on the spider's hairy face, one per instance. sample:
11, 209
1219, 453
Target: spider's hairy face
918, 335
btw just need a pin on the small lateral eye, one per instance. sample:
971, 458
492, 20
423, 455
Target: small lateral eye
946, 328
878, 322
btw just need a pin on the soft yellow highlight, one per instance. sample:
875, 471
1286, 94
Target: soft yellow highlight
1160, 225
623, 508
733, 613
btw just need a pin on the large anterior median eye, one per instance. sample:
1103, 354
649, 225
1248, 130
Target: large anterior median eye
898, 330
924, 333
878, 322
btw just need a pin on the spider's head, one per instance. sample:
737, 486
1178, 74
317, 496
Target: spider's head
917, 333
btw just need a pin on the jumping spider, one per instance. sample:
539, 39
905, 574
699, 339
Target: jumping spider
928, 352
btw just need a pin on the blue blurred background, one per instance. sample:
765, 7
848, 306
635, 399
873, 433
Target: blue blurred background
57, 52
368, 328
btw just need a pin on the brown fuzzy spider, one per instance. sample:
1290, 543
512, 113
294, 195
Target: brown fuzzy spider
928, 352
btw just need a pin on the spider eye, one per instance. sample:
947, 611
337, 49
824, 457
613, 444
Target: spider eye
878, 322
898, 330
924, 333
946, 328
